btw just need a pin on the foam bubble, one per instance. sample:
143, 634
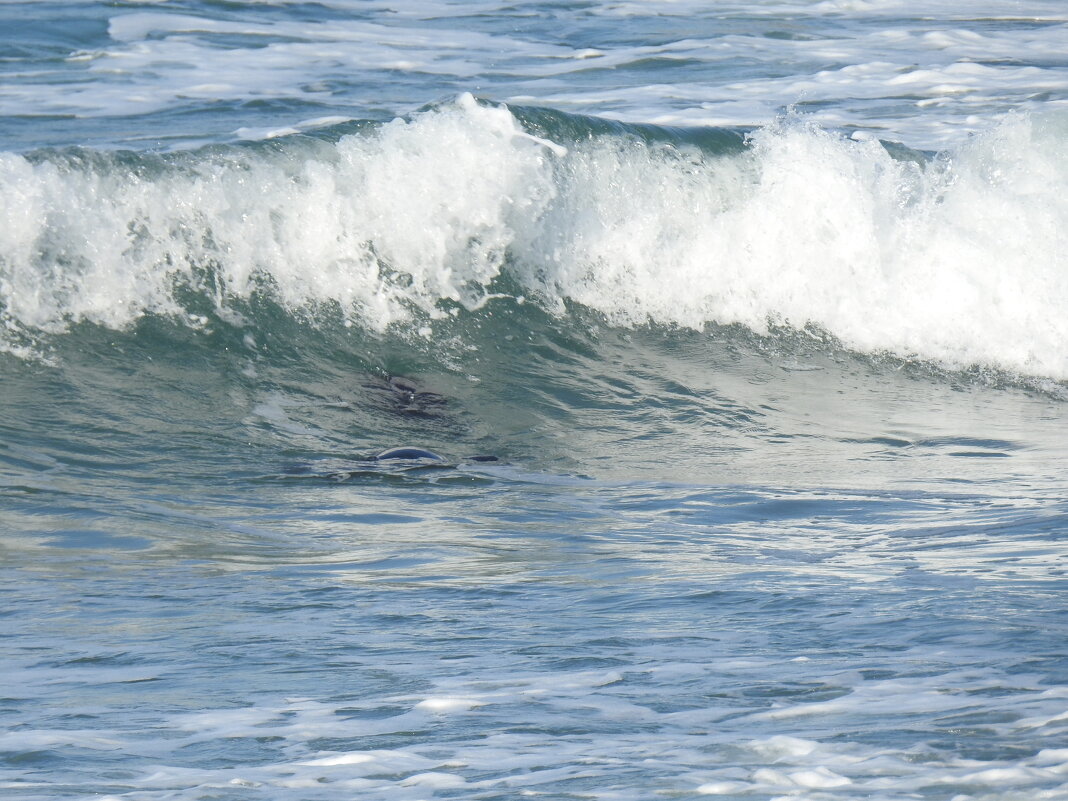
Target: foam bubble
781, 745
434, 781
443, 705
341, 759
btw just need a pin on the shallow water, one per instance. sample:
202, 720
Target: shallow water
777, 401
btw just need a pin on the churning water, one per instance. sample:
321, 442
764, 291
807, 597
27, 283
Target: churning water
758, 308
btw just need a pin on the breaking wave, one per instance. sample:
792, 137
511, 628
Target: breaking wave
956, 258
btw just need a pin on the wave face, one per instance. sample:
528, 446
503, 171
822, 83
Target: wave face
778, 408
955, 258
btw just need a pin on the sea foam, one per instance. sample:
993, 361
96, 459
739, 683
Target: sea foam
957, 258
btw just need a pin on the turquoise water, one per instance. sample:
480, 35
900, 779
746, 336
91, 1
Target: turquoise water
758, 308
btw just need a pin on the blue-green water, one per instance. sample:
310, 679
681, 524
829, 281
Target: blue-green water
777, 401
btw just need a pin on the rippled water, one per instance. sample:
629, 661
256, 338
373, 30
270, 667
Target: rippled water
151, 74
775, 401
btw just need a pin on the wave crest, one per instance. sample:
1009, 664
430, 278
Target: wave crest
958, 258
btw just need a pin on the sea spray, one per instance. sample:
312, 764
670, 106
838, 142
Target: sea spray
375, 224
957, 258
728, 548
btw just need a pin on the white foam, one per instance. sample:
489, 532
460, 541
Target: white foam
957, 262
880, 65
722, 788
158, 60
341, 759
784, 746
434, 198
961, 261
434, 781
674, 754
818, 778
446, 704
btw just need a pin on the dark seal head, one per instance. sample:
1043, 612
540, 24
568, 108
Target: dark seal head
409, 454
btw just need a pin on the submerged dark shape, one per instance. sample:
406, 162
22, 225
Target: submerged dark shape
404, 396
433, 419
408, 453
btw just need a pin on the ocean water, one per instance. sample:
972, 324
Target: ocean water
738, 330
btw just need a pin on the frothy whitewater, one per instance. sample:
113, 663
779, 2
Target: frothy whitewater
954, 258
739, 331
